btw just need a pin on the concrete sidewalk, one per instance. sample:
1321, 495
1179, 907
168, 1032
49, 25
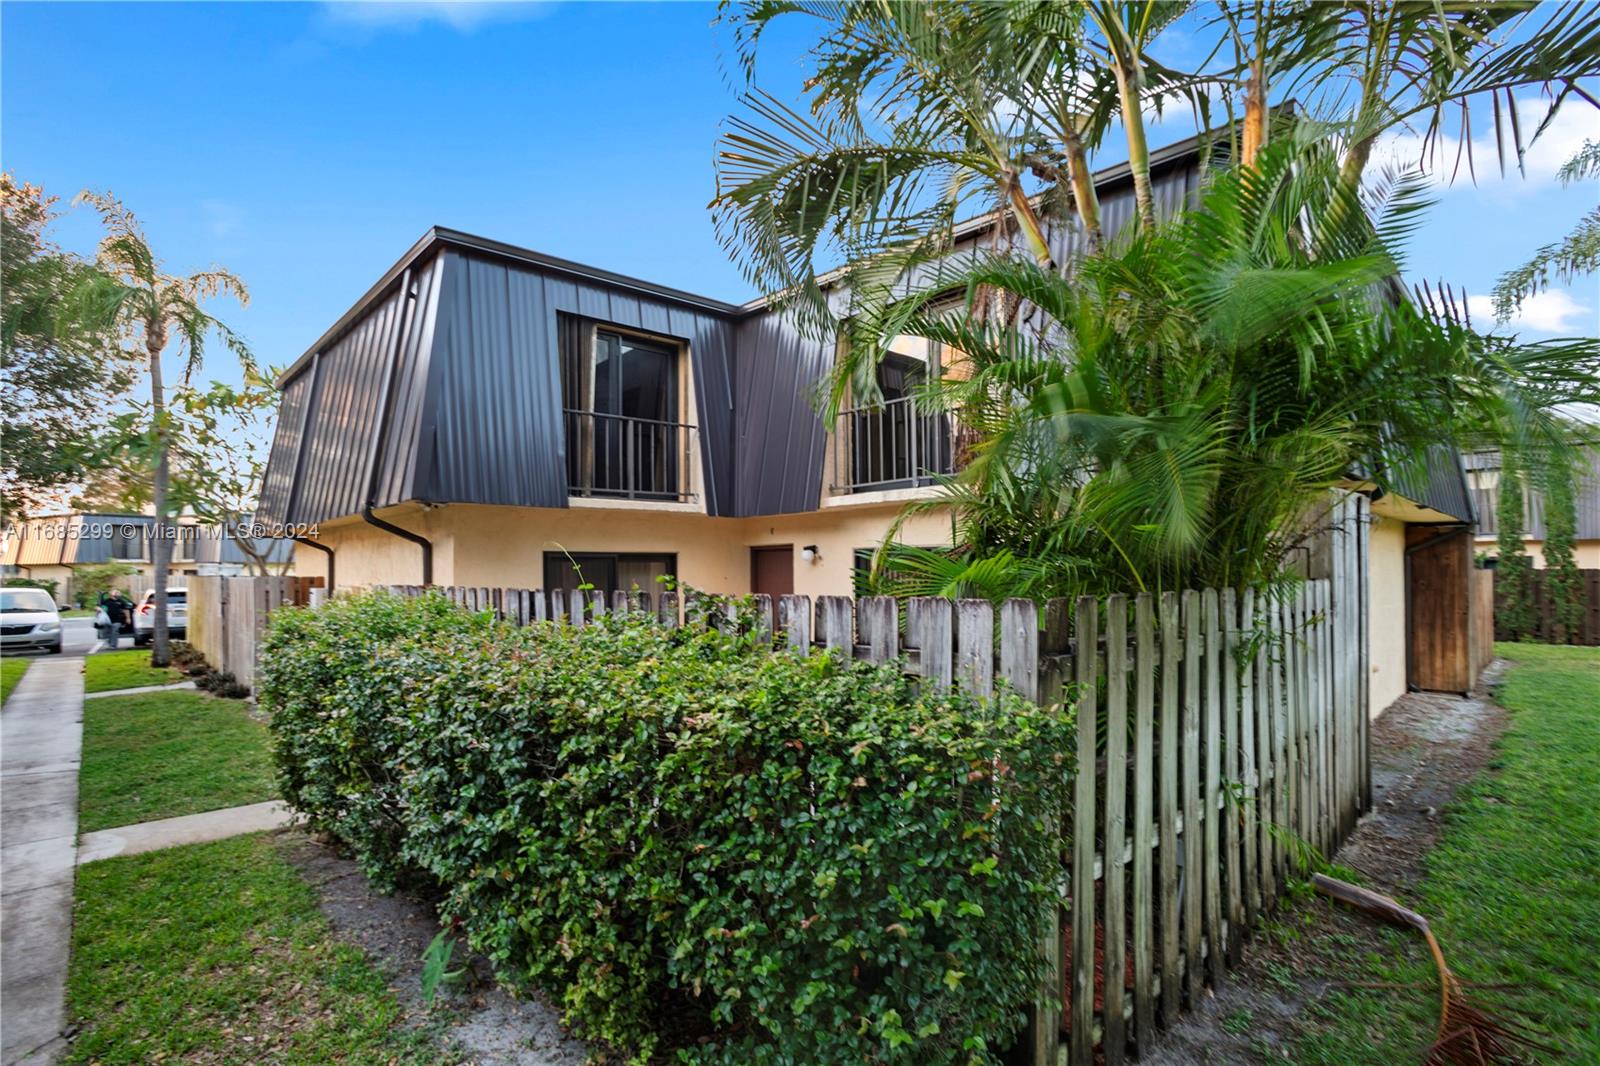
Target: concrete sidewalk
186, 829
41, 740
176, 686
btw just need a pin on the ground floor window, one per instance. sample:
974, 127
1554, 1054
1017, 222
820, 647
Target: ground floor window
608, 571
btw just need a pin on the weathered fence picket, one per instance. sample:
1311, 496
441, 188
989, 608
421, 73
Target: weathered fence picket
1217, 735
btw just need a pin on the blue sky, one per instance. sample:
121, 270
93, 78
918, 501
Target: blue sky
306, 146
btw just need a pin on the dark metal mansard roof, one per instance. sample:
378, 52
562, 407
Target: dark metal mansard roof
442, 384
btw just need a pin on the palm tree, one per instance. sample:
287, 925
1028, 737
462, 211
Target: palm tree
1575, 254
152, 311
920, 113
1195, 392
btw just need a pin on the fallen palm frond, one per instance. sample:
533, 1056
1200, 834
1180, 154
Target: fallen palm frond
1468, 1034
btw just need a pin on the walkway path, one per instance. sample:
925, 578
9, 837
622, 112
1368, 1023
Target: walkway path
41, 740
187, 829
176, 686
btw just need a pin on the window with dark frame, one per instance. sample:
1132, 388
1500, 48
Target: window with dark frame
624, 432
128, 542
609, 571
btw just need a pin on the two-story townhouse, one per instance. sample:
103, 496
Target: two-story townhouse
489, 415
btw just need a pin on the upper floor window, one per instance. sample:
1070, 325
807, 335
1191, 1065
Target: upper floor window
889, 443
624, 423
128, 541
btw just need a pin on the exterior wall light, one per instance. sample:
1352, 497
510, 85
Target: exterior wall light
810, 554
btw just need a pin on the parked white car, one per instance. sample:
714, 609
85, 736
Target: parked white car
29, 620
144, 616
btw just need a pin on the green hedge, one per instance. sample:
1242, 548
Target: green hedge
694, 847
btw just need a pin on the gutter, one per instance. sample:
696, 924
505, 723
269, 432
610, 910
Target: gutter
382, 431
308, 542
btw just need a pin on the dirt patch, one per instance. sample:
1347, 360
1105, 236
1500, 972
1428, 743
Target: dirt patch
484, 1023
1424, 749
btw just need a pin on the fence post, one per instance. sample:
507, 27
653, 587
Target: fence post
1083, 838
1144, 668
975, 645
1171, 653
1112, 861
835, 626
1019, 666
794, 614
879, 619
1211, 788
935, 636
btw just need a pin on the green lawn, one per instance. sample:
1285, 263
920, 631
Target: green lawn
78, 612
11, 671
111, 670
163, 754
217, 953
1512, 891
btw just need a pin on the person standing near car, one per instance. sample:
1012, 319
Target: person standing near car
117, 615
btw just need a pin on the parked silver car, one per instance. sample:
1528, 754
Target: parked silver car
144, 616
29, 621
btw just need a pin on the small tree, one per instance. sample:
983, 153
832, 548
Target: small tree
1563, 583
90, 582
154, 310
57, 365
1512, 571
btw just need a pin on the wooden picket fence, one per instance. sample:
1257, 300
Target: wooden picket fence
228, 616
1219, 736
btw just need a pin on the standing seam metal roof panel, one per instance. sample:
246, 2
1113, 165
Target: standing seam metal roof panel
782, 440
276, 483
343, 423
397, 470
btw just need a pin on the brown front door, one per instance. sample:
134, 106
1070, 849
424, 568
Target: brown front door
772, 571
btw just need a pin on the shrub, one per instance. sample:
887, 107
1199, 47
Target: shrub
49, 586
745, 857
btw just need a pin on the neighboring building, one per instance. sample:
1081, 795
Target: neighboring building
52, 547
1483, 474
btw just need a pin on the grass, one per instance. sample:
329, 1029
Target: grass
78, 612
217, 953
11, 671
1512, 890
111, 670
163, 754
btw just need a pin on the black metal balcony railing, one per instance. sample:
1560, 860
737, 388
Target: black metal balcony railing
633, 458
890, 446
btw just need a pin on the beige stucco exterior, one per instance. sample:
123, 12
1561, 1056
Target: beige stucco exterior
1386, 626
506, 546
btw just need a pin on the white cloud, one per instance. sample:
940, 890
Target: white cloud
1553, 311
1574, 124
463, 16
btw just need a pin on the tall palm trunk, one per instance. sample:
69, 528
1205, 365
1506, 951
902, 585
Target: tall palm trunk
1130, 92
161, 551
1255, 112
1084, 197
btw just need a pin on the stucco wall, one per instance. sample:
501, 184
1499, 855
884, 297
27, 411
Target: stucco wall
1386, 632
370, 556
837, 532
1586, 552
506, 546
